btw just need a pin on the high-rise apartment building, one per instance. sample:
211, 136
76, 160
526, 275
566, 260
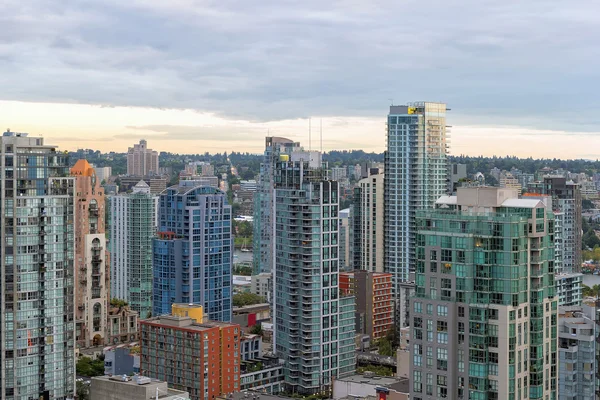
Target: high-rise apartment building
484, 315
37, 327
141, 160
508, 180
313, 323
264, 202
193, 254
374, 301
566, 205
338, 173
345, 226
200, 357
92, 278
368, 224
415, 177
566, 199
576, 353
132, 229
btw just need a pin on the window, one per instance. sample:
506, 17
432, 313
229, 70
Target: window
442, 359
442, 311
417, 306
461, 311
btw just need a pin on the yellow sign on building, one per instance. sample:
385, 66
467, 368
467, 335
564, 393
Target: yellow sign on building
411, 110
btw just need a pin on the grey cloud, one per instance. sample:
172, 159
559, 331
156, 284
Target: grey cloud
197, 133
530, 63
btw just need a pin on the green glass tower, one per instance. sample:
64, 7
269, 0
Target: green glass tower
484, 316
313, 322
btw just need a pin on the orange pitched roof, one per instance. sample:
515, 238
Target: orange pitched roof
82, 168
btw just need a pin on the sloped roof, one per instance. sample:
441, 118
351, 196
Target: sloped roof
82, 168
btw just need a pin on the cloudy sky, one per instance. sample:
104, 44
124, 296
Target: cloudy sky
521, 77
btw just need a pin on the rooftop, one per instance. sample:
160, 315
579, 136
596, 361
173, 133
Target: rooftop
82, 168
385, 381
186, 322
139, 384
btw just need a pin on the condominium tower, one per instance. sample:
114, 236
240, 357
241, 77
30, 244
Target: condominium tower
415, 177
566, 199
141, 160
193, 254
91, 266
313, 323
37, 333
368, 224
264, 202
484, 315
132, 229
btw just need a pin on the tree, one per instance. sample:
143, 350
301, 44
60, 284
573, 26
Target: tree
256, 330
385, 347
87, 367
246, 299
82, 391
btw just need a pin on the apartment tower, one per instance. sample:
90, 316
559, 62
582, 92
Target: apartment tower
264, 202
368, 223
374, 301
193, 254
92, 277
415, 177
132, 229
313, 323
37, 357
484, 315
141, 160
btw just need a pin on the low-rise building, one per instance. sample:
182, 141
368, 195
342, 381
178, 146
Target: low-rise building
360, 386
122, 359
137, 388
122, 324
200, 357
264, 374
250, 347
248, 316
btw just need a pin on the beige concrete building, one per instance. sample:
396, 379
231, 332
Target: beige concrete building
141, 160
368, 224
122, 324
508, 180
91, 265
137, 388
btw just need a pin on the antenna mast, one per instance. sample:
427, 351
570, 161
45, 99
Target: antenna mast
309, 134
321, 134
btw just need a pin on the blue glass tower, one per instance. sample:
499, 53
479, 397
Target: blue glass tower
192, 256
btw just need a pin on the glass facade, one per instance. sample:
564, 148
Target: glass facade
263, 203
193, 253
415, 177
37, 325
314, 325
132, 229
484, 315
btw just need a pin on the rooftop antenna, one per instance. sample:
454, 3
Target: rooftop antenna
391, 101
321, 134
309, 134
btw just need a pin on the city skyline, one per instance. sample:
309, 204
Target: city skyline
187, 131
